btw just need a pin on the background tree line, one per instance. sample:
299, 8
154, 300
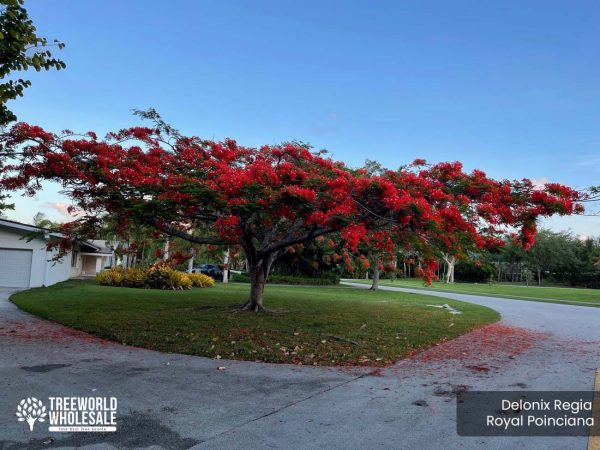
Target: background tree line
555, 258
558, 257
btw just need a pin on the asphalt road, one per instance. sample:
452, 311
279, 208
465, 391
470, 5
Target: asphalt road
177, 402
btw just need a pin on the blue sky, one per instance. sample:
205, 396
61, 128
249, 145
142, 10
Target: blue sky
510, 87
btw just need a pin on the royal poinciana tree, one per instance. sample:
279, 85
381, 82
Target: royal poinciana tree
460, 213
268, 199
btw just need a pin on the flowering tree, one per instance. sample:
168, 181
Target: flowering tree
458, 212
377, 252
267, 199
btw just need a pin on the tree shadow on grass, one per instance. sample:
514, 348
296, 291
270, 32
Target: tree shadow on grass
234, 309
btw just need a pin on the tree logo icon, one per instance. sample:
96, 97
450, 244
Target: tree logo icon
31, 409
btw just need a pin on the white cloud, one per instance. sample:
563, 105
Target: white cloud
538, 183
61, 208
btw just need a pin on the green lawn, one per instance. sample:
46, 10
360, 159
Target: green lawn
310, 325
578, 296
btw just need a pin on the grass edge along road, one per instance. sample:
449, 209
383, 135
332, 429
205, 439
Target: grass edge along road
330, 326
570, 296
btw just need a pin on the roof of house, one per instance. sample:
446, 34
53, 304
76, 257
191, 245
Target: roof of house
102, 245
97, 245
25, 227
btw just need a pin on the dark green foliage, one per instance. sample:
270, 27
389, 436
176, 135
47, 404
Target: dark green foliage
314, 259
564, 258
323, 280
556, 257
470, 271
20, 49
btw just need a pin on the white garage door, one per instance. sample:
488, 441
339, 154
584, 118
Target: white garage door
15, 267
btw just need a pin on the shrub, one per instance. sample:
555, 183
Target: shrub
111, 277
178, 280
470, 271
293, 279
290, 279
201, 280
239, 277
156, 277
163, 277
133, 277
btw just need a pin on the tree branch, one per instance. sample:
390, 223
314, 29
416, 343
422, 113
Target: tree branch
293, 241
190, 238
206, 217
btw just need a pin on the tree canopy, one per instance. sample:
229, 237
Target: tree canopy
266, 200
20, 49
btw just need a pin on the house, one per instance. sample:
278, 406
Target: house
25, 260
90, 257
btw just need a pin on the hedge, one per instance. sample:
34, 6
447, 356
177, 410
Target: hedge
157, 277
289, 279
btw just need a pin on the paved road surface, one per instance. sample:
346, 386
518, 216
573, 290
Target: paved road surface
177, 402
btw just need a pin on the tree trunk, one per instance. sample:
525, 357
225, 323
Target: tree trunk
520, 272
259, 270
539, 276
450, 262
191, 262
226, 265
375, 285
257, 287
166, 250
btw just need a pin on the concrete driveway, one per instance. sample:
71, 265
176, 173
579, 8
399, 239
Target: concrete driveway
174, 401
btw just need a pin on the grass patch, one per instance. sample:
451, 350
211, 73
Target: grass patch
318, 326
578, 296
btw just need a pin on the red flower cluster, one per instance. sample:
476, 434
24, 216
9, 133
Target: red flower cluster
272, 198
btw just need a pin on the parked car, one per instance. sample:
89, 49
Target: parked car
212, 270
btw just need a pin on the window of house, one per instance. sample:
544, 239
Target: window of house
74, 258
